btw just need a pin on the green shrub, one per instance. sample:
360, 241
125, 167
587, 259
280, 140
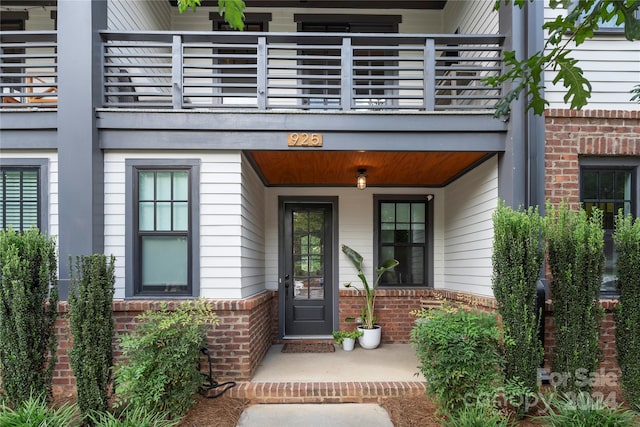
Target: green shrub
28, 311
91, 322
136, 417
627, 241
518, 252
459, 352
475, 416
575, 243
34, 412
584, 411
161, 355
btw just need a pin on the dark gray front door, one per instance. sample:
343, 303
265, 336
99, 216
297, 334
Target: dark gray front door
306, 281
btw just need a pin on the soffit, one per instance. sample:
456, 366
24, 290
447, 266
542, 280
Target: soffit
383, 168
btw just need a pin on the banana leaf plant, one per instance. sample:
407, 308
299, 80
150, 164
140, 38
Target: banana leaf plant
368, 292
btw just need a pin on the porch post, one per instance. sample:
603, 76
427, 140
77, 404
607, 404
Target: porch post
80, 160
512, 164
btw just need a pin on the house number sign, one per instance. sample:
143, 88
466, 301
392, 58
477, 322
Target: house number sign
304, 139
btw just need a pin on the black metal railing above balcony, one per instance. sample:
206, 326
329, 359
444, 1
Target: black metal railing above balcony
28, 69
265, 71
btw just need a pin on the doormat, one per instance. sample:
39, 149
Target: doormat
308, 348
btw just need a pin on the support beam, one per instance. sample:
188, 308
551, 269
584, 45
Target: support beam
512, 164
80, 167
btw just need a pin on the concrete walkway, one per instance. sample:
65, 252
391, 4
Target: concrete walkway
389, 362
315, 415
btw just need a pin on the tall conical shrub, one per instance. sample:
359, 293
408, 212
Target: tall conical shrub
91, 321
518, 252
28, 312
575, 243
627, 241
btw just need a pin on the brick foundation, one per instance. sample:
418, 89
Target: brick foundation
249, 327
609, 363
237, 344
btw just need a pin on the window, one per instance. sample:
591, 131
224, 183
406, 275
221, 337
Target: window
163, 247
610, 26
23, 195
19, 198
404, 232
609, 189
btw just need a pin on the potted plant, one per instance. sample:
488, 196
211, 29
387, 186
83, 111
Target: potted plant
346, 338
371, 331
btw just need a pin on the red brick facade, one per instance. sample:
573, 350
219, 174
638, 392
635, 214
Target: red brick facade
570, 134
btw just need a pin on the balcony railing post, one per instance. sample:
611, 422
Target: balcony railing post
261, 69
346, 86
429, 75
176, 72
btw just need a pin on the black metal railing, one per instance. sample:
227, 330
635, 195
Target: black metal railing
265, 71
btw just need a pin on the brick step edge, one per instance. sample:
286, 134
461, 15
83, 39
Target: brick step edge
325, 392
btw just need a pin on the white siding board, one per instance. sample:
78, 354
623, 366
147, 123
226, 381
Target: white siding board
221, 222
413, 21
253, 246
471, 17
138, 15
610, 62
468, 229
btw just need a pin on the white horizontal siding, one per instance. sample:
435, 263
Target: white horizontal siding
610, 62
468, 229
221, 225
355, 227
138, 15
471, 17
253, 246
282, 20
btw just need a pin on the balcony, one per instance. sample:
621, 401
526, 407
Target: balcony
266, 71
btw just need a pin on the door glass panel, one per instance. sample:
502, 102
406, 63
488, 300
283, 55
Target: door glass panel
308, 259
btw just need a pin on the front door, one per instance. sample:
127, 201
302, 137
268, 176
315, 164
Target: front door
306, 282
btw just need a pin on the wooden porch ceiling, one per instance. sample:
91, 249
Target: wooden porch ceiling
383, 168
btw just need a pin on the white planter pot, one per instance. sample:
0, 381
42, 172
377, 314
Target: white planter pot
348, 344
371, 337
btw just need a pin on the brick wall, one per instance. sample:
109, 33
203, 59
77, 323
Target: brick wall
394, 306
237, 344
570, 134
609, 363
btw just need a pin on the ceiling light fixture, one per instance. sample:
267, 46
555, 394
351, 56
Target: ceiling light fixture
361, 179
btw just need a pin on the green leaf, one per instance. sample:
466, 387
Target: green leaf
572, 77
233, 12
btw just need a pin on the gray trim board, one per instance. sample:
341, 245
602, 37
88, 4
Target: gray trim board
342, 141
297, 121
43, 165
36, 139
194, 221
29, 119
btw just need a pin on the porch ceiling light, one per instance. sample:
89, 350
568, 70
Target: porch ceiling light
361, 179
